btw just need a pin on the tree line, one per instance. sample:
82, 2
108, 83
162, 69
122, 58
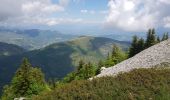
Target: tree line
139, 44
86, 70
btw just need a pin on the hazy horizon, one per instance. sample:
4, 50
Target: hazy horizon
87, 16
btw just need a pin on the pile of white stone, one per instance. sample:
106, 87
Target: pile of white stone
153, 56
21, 98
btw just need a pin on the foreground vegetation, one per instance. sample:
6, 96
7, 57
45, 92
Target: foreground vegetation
58, 59
28, 81
141, 84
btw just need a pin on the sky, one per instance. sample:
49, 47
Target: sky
86, 16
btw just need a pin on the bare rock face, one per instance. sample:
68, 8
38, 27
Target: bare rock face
153, 56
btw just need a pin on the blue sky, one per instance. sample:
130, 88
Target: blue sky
84, 9
87, 16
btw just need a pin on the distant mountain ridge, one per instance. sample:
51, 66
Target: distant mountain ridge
10, 49
32, 38
59, 59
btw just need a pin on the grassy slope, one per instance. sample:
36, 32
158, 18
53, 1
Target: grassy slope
141, 84
59, 59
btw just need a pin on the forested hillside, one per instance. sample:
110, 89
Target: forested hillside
59, 59
10, 49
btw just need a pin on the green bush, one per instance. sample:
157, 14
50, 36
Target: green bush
140, 84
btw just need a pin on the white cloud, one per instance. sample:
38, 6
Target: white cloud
39, 8
137, 15
13, 12
64, 2
10, 8
84, 11
167, 22
128, 5
165, 1
128, 15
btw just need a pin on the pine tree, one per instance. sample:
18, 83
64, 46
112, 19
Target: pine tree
108, 61
21, 81
167, 36
117, 55
100, 64
151, 38
27, 81
89, 70
158, 39
140, 45
133, 48
80, 66
148, 41
115, 51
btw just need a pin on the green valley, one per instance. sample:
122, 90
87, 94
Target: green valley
59, 59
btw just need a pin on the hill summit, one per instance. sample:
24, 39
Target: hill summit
156, 55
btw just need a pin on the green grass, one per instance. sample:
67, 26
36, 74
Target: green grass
139, 84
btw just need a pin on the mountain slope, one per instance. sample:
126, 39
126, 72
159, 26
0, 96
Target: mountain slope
153, 56
59, 59
139, 84
10, 49
33, 38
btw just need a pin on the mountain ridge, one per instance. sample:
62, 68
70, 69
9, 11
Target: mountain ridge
59, 59
7, 49
32, 39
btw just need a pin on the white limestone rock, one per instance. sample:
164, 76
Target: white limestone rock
155, 55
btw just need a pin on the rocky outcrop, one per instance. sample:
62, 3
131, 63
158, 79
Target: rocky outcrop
153, 56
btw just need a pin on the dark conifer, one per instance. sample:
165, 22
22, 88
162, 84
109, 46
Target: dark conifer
151, 38
141, 44
148, 41
81, 64
165, 36
158, 39
133, 48
27, 81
